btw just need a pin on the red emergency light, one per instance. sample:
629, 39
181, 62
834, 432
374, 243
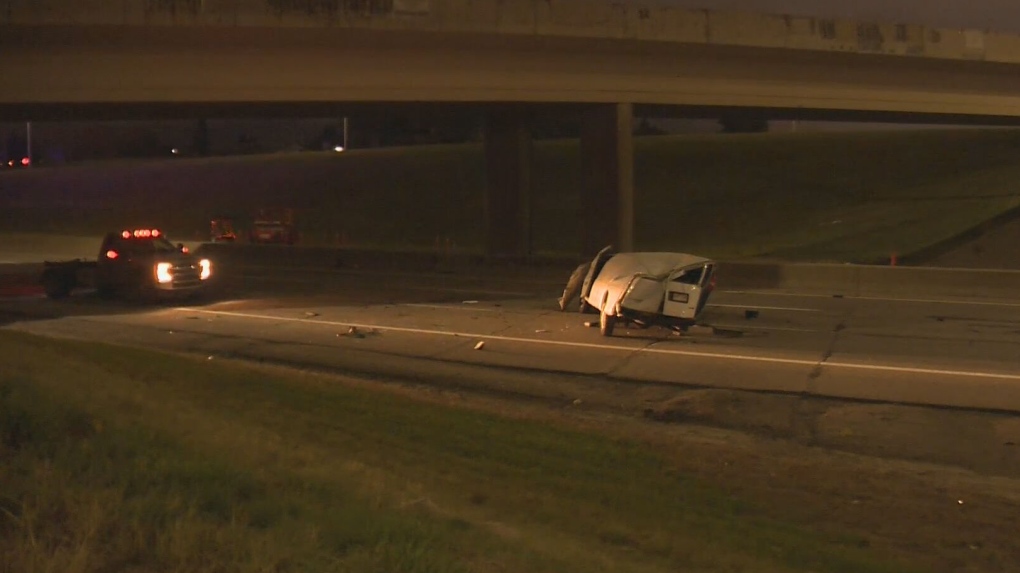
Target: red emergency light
111, 254
141, 233
25, 161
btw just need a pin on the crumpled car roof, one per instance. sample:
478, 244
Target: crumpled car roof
656, 264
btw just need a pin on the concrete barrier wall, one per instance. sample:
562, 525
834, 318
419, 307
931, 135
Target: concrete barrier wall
824, 279
868, 280
579, 18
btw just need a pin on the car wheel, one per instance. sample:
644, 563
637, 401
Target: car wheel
105, 291
56, 286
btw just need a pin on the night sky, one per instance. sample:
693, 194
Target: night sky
1003, 15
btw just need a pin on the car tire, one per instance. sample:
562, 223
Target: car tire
106, 291
56, 286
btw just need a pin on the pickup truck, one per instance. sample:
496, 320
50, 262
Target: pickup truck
138, 263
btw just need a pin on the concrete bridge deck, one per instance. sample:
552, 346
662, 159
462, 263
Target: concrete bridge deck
602, 19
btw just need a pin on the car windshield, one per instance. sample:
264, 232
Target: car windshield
149, 245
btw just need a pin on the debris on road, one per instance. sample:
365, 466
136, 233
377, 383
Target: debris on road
353, 331
540, 331
480, 345
590, 324
751, 314
310, 313
470, 302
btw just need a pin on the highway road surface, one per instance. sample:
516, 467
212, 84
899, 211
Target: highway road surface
946, 352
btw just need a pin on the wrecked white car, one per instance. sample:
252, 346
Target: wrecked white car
644, 289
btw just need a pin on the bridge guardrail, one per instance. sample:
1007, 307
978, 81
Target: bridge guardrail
649, 21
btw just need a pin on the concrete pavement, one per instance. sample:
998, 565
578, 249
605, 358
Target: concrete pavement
937, 351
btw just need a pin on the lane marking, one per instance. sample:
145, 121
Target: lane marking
641, 349
419, 288
779, 328
470, 307
550, 282
408, 274
878, 298
753, 307
454, 306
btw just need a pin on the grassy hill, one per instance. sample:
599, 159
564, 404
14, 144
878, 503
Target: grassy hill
814, 196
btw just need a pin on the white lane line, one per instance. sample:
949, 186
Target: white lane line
419, 288
959, 301
408, 274
753, 307
645, 349
462, 306
778, 328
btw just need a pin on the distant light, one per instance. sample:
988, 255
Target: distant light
111, 254
25, 161
175, 151
338, 148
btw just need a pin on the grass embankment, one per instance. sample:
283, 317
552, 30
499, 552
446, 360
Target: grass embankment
120, 459
810, 196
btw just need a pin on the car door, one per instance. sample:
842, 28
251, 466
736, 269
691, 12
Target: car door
685, 291
597, 263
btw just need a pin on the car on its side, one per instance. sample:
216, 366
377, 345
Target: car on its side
646, 288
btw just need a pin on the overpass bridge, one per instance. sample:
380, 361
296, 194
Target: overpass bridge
598, 60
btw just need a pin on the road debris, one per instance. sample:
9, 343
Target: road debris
480, 345
751, 314
353, 331
310, 313
470, 302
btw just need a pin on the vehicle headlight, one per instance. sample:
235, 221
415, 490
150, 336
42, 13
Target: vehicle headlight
206, 266
163, 274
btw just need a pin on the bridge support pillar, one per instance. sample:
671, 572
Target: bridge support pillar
508, 158
607, 178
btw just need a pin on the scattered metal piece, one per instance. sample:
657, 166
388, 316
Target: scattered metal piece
480, 345
353, 331
751, 314
310, 313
